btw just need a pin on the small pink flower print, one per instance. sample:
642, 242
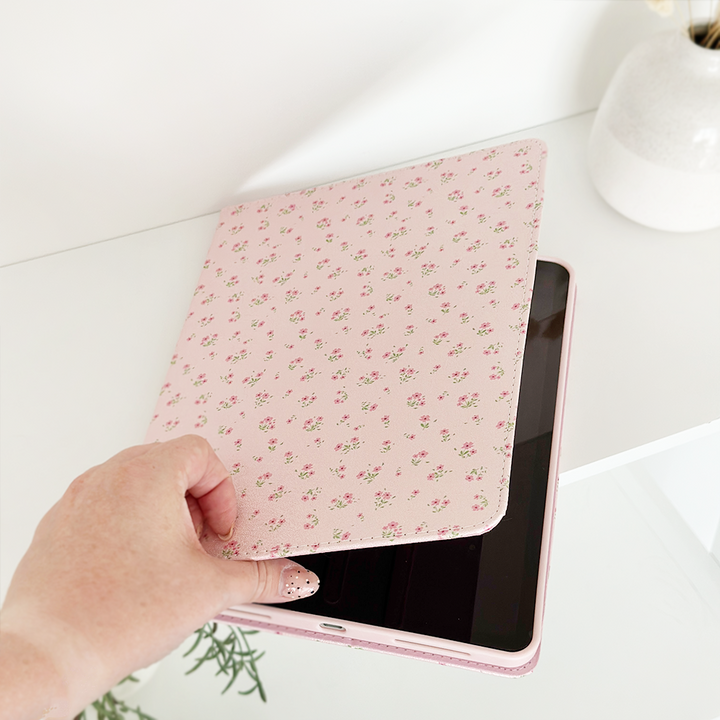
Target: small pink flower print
439, 504
418, 457
275, 523
383, 498
280, 550
309, 375
306, 472
437, 290
261, 398
346, 447
311, 494
227, 403
341, 503
392, 530
416, 400
369, 379
313, 522
469, 400
425, 421
394, 355
306, 400
467, 450
457, 350
174, 400
481, 504
278, 493
230, 550
209, 340
485, 288
449, 532
340, 315
501, 191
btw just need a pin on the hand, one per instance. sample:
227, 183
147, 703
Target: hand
115, 577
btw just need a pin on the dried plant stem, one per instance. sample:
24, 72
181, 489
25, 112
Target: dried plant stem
712, 39
692, 27
713, 35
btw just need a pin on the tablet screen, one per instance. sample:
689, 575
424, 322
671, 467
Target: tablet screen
479, 590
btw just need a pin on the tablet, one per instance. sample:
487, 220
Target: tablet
476, 602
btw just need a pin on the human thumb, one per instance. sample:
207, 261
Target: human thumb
268, 581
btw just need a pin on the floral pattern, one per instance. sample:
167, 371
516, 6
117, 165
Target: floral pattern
353, 354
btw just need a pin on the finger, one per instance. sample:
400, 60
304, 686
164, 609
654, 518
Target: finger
196, 514
219, 508
201, 468
202, 475
268, 581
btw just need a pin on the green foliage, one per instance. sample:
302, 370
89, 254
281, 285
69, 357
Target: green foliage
108, 707
233, 656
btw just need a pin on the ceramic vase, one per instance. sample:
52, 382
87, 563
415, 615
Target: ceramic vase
655, 144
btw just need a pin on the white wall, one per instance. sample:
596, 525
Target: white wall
122, 116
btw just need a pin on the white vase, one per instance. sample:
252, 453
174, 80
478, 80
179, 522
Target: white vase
655, 145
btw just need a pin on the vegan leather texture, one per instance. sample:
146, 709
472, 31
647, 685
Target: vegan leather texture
353, 352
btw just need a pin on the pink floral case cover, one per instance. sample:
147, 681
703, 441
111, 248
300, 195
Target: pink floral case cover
285, 621
353, 354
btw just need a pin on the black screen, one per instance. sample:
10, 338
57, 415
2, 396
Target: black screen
480, 590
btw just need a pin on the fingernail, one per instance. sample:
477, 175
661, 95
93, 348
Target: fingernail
296, 582
225, 538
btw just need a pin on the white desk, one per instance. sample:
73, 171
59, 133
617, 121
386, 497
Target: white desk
86, 338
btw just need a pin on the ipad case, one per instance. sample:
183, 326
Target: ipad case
352, 352
543, 455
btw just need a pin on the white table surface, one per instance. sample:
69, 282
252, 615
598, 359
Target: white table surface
87, 335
